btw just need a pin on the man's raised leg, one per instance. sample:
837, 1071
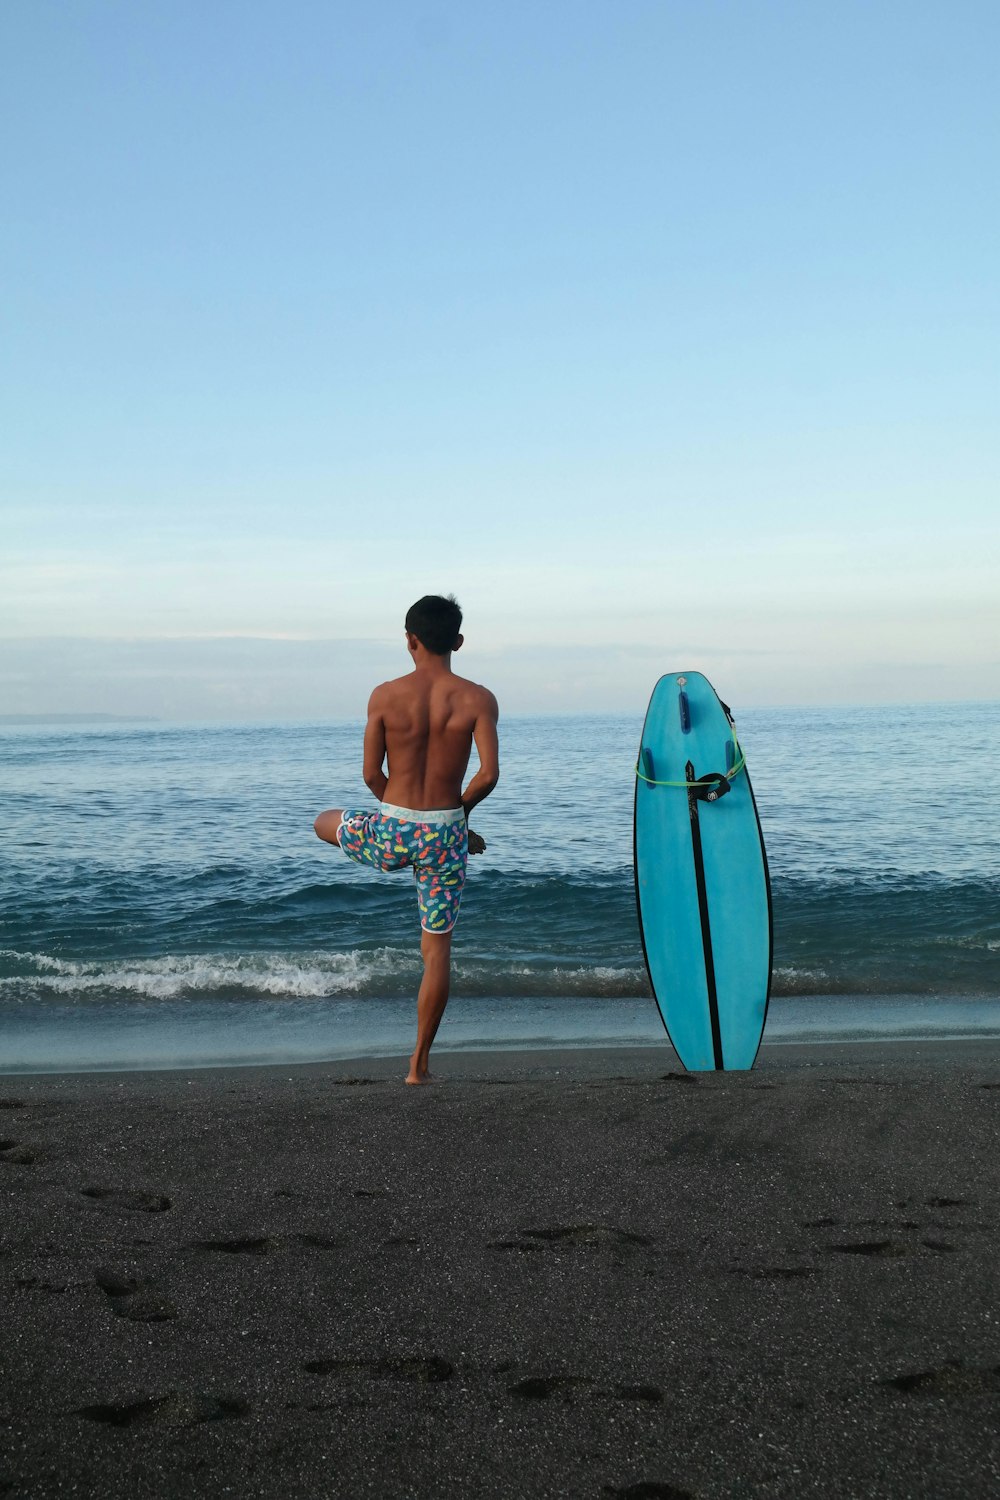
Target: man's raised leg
432, 997
327, 825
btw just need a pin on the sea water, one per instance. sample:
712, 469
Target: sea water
164, 901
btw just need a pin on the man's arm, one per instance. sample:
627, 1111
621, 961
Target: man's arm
488, 745
374, 752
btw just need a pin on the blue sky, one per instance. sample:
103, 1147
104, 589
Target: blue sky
665, 335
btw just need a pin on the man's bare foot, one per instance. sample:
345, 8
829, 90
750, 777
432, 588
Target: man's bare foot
414, 1077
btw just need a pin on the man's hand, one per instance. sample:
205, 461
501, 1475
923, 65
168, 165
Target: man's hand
477, 844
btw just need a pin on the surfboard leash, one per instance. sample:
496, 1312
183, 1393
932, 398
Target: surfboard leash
717, 778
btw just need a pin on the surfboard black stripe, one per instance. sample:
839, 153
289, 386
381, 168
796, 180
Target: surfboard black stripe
706, 927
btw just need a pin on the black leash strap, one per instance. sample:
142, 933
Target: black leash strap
697, 790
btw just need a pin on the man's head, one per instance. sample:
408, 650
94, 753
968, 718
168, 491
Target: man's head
435, 623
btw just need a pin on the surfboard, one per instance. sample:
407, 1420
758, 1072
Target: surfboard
701, 878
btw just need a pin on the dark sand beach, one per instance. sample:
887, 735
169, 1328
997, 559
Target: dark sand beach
576, 1274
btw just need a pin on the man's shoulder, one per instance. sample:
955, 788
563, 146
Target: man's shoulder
384, 692
478, 694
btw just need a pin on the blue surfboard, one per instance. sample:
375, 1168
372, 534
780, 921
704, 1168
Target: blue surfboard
701, 878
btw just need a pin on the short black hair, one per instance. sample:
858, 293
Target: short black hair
435, 622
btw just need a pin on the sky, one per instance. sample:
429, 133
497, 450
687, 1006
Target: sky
665, 335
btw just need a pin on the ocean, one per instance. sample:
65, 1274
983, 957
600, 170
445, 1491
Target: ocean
164, 901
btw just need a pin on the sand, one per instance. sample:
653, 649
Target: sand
577, 1274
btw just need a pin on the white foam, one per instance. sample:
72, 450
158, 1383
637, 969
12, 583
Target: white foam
788, 980
308, 975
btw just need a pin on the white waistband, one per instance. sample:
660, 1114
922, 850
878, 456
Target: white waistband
439, 815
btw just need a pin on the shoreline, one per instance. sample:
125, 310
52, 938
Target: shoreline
126, 1035
584, 1060
591, 1059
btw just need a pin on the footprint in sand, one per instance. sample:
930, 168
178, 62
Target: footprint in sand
175, 1409
134, 1298
146, 1203
258, 1245
892, 1248
881, 1249
36, 1284
266, 1244
950, 1379
569, 1236
649, 1489
17, 1154
541, 1387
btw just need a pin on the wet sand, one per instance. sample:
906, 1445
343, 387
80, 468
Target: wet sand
576, 1274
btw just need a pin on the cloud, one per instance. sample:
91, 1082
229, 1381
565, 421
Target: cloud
244, 678
199, 678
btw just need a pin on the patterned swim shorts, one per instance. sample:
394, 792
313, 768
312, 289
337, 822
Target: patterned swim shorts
435, 845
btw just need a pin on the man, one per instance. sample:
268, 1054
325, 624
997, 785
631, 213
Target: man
424, 724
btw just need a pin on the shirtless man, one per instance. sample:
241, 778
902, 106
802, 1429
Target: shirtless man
424, 723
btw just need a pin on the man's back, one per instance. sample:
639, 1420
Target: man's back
429, 720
